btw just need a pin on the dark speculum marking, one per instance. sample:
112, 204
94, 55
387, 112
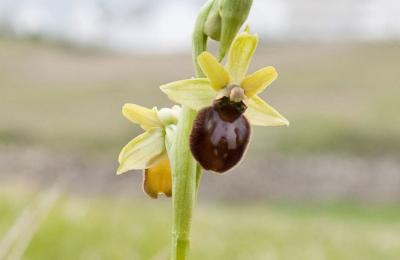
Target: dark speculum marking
220, 135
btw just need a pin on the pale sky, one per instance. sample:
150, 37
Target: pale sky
166, 25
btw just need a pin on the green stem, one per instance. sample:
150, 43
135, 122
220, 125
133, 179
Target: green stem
185, 172
184, 186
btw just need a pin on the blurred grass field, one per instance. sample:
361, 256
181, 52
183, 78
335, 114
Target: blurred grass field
340, 98
93, 228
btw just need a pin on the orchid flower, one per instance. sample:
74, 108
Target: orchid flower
149, 151
231, 92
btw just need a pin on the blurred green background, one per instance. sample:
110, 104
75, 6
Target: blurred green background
327, 187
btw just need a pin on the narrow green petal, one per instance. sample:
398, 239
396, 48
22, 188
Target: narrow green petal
239, 57
143, 151
258, 81
194, 93
146, 118
214, 71
262, 114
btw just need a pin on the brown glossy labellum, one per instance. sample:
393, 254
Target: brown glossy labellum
220, 135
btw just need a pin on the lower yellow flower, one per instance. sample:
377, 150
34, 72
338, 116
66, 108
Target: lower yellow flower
149, 151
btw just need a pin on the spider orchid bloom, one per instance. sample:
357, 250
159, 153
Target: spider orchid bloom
227, 100
149, 151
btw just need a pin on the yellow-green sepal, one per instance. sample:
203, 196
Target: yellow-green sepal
260, 113
146, 118
143, 151
194, 93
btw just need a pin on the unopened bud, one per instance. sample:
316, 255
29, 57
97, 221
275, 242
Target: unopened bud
233, 14
212, 26
224, 21
168, 116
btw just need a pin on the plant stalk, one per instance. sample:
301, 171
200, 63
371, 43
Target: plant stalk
185, 171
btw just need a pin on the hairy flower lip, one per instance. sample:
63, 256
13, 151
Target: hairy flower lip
218, 142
